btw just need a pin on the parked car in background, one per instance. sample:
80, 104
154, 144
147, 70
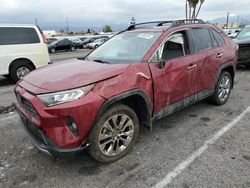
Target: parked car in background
78, 42
96, 43
243, 40
23, 48
50, 40
231, 32
83, 38
92, 39
140, 75
61, 45
89, 40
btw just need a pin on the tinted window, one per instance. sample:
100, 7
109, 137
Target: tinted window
219, 39
15, 35
202, 39
214, 42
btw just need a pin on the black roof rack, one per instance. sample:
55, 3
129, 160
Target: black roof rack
172, 22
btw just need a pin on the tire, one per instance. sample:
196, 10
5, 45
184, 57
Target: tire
116, 139
20, 69
72, 48
222, 89
53, 50
96, 46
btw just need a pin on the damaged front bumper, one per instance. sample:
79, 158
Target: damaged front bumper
42, 142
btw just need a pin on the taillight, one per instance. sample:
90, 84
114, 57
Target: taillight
236, 49
44, 38
236, 46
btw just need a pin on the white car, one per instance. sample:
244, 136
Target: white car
96, 43
23, 48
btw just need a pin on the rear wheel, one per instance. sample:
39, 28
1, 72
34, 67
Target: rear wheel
72, 48
20, 69
114, 134
222, 89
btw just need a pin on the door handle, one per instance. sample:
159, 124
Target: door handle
219, 55
191, 66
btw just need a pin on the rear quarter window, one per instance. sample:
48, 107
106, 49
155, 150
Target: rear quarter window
18, 35
219, 39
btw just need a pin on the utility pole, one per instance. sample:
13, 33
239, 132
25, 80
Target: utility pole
228, 20
238, 19
67, 27
36, 21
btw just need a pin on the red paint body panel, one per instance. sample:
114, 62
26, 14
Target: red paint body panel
173, 82
70, 74
129, 80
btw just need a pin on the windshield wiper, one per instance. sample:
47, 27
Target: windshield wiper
101, 61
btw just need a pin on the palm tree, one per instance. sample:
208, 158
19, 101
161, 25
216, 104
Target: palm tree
201, 3
186, 9
192, 4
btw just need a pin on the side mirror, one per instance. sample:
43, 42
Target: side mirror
161, 63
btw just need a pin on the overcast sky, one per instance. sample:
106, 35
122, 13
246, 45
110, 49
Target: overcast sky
111, 11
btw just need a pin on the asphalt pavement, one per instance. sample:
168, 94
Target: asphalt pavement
200, 146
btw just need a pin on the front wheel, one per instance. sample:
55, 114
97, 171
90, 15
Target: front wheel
222, 89
114, 134
72, 48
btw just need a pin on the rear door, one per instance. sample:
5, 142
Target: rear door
172, 72
202, 49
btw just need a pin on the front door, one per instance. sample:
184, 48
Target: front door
172, 71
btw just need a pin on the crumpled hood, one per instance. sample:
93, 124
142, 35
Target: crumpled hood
69, 74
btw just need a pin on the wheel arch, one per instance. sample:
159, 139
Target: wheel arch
21, 60
228, 67
136, 100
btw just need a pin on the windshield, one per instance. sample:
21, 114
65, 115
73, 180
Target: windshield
244, 34
129, 47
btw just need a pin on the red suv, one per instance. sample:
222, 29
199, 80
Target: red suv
141, 74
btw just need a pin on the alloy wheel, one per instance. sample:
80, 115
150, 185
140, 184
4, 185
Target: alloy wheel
224, 88
116, 135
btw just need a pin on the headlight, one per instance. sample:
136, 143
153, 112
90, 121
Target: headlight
64, 96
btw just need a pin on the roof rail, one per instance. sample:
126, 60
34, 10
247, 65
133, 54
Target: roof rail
172, 22
189, 21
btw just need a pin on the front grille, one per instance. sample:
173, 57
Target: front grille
33, 130
28, 107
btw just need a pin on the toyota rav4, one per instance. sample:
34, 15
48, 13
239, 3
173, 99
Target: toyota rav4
143, 73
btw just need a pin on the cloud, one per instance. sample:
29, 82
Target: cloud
110, 11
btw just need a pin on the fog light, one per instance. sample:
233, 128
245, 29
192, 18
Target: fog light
72, 126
